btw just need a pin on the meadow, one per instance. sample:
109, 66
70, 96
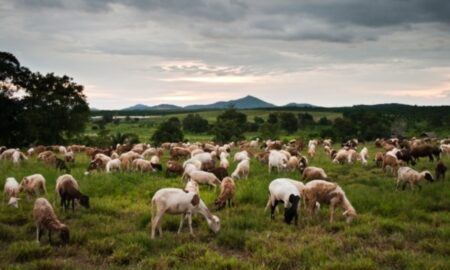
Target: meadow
395, 229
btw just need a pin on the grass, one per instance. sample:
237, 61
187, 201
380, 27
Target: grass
393, 230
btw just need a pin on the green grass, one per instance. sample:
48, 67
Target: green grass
393, 230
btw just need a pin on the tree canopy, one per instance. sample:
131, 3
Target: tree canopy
168, 131
38, 108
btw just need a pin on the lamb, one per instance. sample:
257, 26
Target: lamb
407, 175
33, 185
45, 219
11, 192
242, 169
311, 173
177, 201
68, 189
227, 192
323, 192
142, 165
283, 190
202, 177
277, 160
441, 169
113, 165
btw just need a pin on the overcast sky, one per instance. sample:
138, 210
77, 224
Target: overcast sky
324, 52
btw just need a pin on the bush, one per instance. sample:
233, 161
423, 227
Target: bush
168, 131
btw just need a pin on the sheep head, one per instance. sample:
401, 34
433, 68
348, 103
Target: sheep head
291, 212
84, 201
14, 202
427, 175
349, 215
64, 234
214, 223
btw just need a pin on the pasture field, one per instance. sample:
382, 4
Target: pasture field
394, 229
145, 127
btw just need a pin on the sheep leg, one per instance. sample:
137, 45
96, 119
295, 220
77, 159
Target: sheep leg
73, 205
404, 186
38, 233
183, 216
50, 236
190, 224
155, 223
272, 209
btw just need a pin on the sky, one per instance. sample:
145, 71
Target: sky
323, 52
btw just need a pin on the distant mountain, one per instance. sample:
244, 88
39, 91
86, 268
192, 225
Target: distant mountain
248, 102
160, 107
138, 107
94, 109
304, 105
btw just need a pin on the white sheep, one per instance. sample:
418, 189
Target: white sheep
242, 169
283, 190
239, 156
33, 185
46, 219
179, 202
277, 160
407, 175
323, 192
364, 154
113, 165
11, 192
224, 160
202, 177
192, 186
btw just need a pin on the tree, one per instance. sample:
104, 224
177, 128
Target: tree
305, 119
168, 131
48, 110
195, 123
288, 122
230, 126
269, 131
273, 118
324, 121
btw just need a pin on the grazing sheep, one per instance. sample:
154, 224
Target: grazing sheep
179, 202
239, 156
407, 175
127, 159
277, 160
302, 163
364, 154
219, 172
174, 167
323, 192
192, 186
11, 192
292, 163
46, 219
227, 191
179, 152
284, 191
242, 169
69, 156
142, 165
202, 177
311, 173
155, 159
445, 149
312, 151
68, 190
441, 169
33, 185
379, 157
224, 163
425, 150
61, 165
392, 162
342, 156
17, 157
113, 165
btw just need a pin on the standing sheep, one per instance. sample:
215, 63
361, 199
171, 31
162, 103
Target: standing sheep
68, 190
441, 169
33, 185
202, 177
284, 191
412, 177
323, 192
242, 169
177, 201
45, 219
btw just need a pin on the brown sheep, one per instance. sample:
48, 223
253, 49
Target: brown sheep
391, 161
33, 185
441, 169
219, 172
179, 152
311, 173
227, 192
379, 159
45, 219
68, 190
174, 167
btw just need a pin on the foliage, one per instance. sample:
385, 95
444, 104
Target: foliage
230, 126
124, 138
168, 131
38, 108
288, 122
269, 131
305, 119
195, 123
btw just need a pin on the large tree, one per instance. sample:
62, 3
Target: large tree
230, 126
39, 109
168, 131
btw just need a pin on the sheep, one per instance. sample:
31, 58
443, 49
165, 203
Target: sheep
302, 163
18, 156
33, 185
312, 151
127, 159
392, 162
98, 163
425, 150
177, 201
174, 167
278, 160
292, 163
283, 190
155, 159
46, 219
219, 172
142, 165
364, 154
242, 169
341, 156
224, 163
177, 152
69, 156
440, 170
379, 159
11, 192
113, 165
202, 177
311, 173
192, 186
445, 149
407, 175
227, 192
239, 156
323, 192
61, 165
68, 190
